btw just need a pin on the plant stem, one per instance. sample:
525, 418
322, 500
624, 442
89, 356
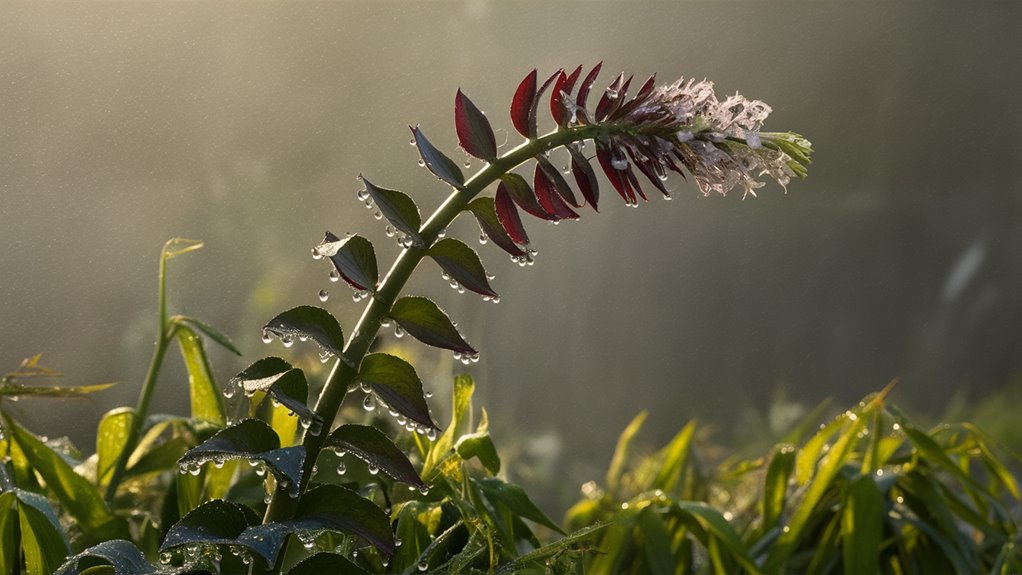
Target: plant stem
282, 506
148, 386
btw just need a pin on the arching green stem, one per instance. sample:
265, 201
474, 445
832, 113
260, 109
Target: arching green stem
282, 506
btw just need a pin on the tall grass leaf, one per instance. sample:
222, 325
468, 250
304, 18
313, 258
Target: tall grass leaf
207, 403
188, 491
775, 486
9, 544
809, 455
111, 434
515, 499
42, 537
934, 454
829, 466
79, 497
621, 452
656, 544
617, 547
992, 463
715, 524
862, 515
806, 424
537, 556
461, 422
673, 459
211, 332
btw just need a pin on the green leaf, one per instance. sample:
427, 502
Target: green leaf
251, 439
18, 390
206, 400
515, 499
479, 445
462, 264
656, 544
461, 421
308, 322
442, 166
210, 331
775, 488
711, 520
395, 382
372, 446
325, 508
110, 437
673, 458
42, 538
10, 555
399, 209
215, 522
283, 384
322, 563
79, 497
426, 322
354, 258
538, 556
123, 556
862, 518
485, 211
621, 452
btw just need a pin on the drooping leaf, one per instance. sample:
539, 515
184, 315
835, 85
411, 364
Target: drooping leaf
508, 216
654, 172
283, 384
322, 563
211, 332
123, 556
515, 499
309, 322
42, 538
426, 322
586, 85
522, 106
560, 184
395, 382
585, 177
111, 434
325, 508
79, 497
479, 445
354, 259
617, 177
462, 264
485, 212
715, 524
375, 448
251, 439
399, 209
560, 96
474, 132
207, 403
550, 198
215, 522
441, 166
521, 192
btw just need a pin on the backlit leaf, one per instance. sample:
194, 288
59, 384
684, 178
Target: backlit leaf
515, 499
283, 384
485, 211
375, 448
617, 177
623, 450
399, 209
775, 489
585, 177
123, 556
215, 522
508, 216
549, 197
557, 179
309, 322
523, 114
395, 382
110, 437
426, 322
211, 332
442, 166
462, 264
42, 538
325, 508
207, 403
586, 85
461, 422
474, 132
657, 543
10, 557
251, 439
563, 86
479, 445
862, 517
521, 192
354, 259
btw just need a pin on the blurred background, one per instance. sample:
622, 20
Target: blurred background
245, 124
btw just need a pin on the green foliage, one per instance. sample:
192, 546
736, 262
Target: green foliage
869, 492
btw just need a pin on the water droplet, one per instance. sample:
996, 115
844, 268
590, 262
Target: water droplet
483, 239
305, 422
324, 295
218, 463
406, 242
389, 231
378, 215
495, 299
385, 322
287, 340
166, 558
267, 336
362, 195
399, 332
411, 142
195, 469
366, 388
423, 565
397, 542
308, 544
324, 356
316, 255
431, 434
373, 470
334, 275
618, 161
442, 233
229, 391
428, 394
368, 404
422, 163
342, 469
424, 490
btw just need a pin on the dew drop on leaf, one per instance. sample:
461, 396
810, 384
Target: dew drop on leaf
267, 336
342, 469
324, 295
368, 404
